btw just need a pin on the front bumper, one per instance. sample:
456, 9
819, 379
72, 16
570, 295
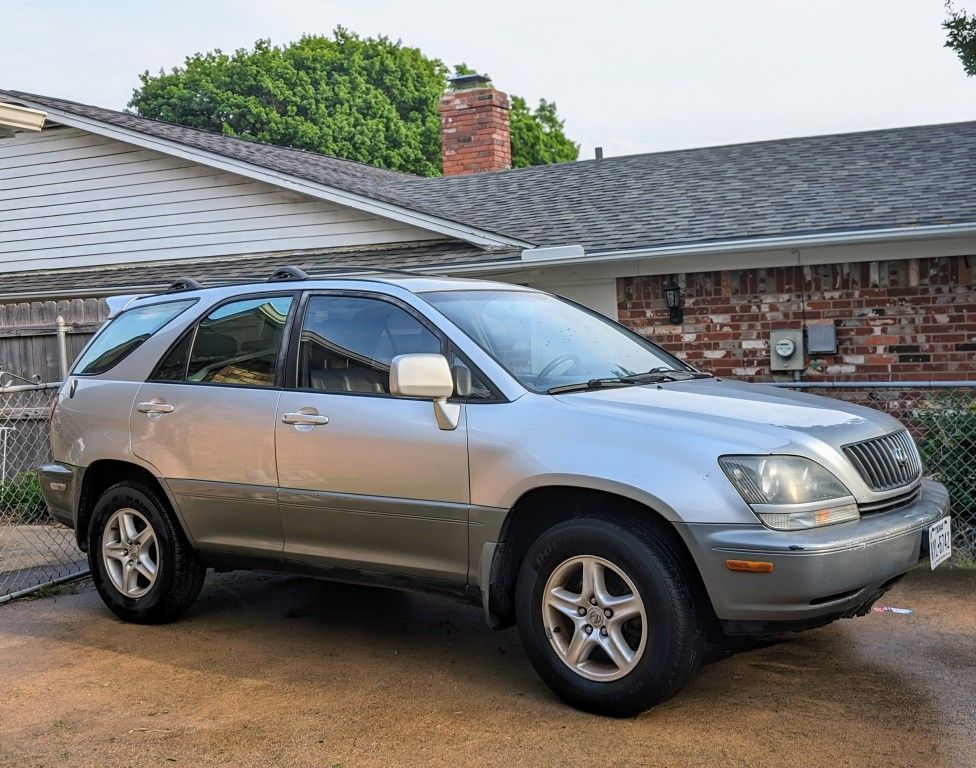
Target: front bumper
818, 574
60, 485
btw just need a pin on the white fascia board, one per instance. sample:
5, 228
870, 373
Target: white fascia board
282, 180
777, 243
751, 245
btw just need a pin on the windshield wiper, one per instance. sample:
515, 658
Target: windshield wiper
648, 377
665, 374
580, 386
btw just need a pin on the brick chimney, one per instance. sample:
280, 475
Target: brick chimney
474, 127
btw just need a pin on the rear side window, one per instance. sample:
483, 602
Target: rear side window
123, 335
238, 343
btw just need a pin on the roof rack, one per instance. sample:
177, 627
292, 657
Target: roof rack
360, 270
184, 284
287, 273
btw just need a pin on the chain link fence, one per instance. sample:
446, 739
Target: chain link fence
941, 416
35, 550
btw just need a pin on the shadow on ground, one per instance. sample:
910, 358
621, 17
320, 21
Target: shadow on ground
277, 670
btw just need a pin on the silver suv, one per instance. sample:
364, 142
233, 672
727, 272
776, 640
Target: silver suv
489, 440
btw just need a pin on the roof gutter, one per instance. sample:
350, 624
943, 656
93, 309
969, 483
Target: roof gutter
571, 255
792, 241
21, 118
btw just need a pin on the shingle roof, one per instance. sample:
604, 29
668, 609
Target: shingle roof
903, 177
157, 275
857, 181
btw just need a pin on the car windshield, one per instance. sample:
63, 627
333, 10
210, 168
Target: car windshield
548, 343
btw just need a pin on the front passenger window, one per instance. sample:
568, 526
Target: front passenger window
349, 342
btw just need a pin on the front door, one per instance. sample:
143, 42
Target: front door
368, 481
205, 420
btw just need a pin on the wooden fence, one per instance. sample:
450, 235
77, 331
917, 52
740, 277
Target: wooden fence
29, 334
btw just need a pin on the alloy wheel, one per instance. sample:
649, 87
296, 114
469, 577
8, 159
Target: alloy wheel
594, 618
130, 552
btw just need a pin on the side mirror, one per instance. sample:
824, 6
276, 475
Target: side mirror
429, 377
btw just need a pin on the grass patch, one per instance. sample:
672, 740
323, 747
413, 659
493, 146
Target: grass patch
72, 587
21, 502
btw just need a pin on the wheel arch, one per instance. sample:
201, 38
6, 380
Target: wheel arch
543, 507
101, 475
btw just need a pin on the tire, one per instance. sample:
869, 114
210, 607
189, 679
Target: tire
665, 639
137, 592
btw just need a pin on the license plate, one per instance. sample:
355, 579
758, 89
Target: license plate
940, 542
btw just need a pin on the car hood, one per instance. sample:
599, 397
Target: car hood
755, 413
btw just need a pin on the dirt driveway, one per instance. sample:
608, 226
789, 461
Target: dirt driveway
274, 670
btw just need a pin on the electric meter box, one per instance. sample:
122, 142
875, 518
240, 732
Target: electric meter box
786, 351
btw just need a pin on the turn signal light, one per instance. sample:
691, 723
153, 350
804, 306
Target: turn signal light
749, 566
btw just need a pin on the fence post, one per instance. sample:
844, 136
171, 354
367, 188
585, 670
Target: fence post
63, 346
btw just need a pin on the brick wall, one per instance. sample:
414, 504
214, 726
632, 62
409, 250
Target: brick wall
899, 320
475, 134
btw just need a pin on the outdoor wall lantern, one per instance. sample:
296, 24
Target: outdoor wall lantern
672, 297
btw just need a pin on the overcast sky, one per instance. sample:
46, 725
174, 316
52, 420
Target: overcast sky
628, 76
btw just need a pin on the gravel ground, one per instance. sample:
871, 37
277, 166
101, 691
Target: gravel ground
281, 671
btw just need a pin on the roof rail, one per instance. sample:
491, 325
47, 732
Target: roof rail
184, 284
292, 273
335, 271
287, 273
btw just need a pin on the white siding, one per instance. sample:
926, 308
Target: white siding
70, 198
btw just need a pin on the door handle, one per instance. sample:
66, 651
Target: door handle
154, 407
310, 419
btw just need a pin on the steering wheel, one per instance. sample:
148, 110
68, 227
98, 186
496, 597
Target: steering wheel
555, 363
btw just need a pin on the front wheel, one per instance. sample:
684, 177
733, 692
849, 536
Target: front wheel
607, 616
141, 562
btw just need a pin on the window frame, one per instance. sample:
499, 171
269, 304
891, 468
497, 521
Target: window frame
195, 326
447, 347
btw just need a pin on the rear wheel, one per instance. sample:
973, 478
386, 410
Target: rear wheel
607, 615
141, 562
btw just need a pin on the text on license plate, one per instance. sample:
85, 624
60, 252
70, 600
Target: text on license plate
940, 541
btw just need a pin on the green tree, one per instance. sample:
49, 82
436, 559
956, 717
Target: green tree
537, 136
371, 100
366, 99
961, 37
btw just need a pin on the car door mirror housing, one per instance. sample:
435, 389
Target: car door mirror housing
421, 375
427, 376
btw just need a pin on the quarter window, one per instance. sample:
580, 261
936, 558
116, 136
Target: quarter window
238, 343
123, 335
348, 343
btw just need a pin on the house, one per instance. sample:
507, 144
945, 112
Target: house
860, 245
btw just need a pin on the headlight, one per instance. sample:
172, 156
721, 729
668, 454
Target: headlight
790, 492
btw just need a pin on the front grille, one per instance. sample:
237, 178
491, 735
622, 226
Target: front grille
886, 462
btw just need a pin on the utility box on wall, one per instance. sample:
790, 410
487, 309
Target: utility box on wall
786, 351
822, 339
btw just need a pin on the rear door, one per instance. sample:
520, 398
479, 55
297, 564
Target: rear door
368, 480
205, 420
